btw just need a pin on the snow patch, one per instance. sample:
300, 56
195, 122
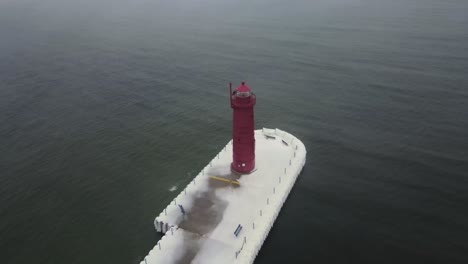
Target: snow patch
199, 224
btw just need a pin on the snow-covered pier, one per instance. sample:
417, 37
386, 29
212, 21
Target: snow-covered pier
223, 217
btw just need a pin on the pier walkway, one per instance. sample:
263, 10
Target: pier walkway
223, 217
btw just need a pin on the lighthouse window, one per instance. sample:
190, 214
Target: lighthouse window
243, 94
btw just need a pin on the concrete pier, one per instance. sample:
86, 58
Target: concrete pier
223, 217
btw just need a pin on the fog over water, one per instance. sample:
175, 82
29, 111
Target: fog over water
107, 107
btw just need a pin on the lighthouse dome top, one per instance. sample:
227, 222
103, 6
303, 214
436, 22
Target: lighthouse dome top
242, 96
243, 88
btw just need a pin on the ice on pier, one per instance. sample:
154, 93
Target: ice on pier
223, 217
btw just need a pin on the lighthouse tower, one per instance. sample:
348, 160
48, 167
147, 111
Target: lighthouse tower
243, 140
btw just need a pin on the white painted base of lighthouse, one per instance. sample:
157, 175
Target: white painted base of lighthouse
221, 217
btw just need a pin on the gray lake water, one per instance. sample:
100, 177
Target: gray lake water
107, 105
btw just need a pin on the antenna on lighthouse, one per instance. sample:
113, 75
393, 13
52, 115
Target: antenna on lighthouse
230, 92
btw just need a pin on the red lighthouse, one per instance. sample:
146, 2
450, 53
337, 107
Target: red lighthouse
243, 140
